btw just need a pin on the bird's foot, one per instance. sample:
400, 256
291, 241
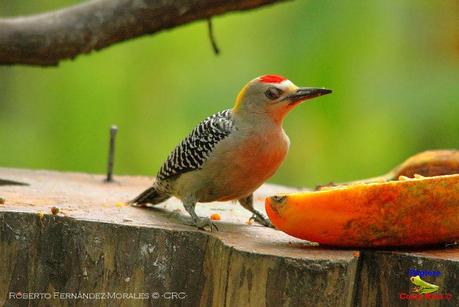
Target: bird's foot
204, 223
261, 219
200, 223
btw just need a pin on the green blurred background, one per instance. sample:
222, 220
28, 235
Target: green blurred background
393, 65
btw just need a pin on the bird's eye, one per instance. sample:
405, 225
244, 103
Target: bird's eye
273, 93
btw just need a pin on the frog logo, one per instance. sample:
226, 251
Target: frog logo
423, 287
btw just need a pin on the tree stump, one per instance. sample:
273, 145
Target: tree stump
97, 251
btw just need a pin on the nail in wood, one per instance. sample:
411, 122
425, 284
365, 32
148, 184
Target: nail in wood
111, 153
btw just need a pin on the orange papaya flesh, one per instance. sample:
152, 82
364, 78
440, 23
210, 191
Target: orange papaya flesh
412, 212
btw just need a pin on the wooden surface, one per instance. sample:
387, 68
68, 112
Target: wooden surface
97, 244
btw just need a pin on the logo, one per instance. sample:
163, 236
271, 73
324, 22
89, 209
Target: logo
422, 289
422, 286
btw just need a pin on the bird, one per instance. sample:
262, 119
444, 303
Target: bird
230, 154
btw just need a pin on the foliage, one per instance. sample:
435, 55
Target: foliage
393, 65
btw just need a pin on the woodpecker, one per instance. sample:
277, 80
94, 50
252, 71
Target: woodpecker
233, 152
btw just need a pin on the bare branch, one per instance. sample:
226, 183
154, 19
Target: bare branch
47, 38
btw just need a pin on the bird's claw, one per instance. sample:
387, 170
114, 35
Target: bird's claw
202, 223
260, 219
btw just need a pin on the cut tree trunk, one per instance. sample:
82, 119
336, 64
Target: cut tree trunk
96, 245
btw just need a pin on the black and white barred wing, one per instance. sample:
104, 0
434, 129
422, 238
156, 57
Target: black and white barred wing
193, 151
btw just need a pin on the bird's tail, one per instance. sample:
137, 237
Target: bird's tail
152, 195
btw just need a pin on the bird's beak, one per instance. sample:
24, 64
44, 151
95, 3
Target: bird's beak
304, 93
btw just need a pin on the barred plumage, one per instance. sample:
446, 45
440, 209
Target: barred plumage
233, 151
193, 151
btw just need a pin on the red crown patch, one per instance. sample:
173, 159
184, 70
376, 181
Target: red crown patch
271, 79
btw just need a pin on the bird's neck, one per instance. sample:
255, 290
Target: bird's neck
257, 120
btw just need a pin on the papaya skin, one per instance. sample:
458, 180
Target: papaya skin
427, 163
412, 212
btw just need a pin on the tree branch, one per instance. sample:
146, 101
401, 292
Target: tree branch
48, 38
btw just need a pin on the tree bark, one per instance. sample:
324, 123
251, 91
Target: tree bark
45, 39
96, 244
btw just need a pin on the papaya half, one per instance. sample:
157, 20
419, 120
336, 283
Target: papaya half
408, 212
389, 210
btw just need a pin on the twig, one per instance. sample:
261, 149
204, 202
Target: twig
212, 37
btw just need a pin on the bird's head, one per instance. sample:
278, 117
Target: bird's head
274, 96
